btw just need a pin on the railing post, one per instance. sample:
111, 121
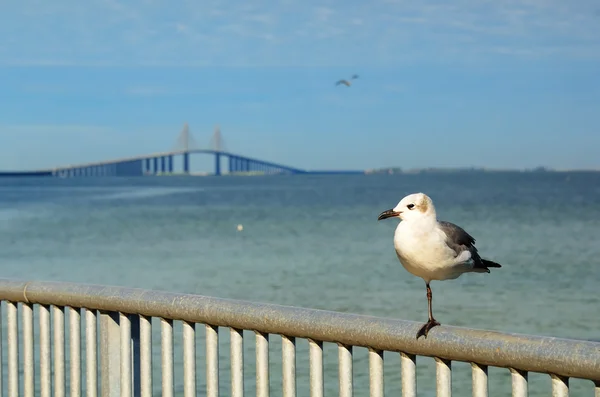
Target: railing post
110, 353
136, 368
1, 356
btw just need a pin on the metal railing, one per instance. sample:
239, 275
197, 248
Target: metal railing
118, 343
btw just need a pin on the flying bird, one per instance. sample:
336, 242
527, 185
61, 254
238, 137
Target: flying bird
432, 249
347, 83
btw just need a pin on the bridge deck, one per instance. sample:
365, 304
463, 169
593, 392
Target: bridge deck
167, 154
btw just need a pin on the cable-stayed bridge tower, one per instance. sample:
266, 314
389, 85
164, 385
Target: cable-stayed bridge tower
218, 146
186, 143
217, 143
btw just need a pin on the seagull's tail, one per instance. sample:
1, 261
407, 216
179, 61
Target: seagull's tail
488, 263
483, 265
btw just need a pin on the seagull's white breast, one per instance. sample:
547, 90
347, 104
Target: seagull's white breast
422, 250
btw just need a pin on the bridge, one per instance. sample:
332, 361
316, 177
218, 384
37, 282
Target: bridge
163, 163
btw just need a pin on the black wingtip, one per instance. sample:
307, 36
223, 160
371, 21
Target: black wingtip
488, 263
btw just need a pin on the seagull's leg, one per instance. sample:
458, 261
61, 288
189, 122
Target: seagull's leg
432, 321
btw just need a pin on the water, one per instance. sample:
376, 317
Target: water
314, 241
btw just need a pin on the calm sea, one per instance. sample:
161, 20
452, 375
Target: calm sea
314, 241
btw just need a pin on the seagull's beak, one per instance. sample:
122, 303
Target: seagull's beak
388, 214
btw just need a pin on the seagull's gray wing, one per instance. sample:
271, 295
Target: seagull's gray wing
457, 238
459, 241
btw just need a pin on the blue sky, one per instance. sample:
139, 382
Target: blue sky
506, 84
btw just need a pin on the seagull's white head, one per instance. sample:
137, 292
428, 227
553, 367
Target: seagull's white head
413, 206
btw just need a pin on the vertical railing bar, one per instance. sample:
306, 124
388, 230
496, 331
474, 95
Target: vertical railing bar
560, 386
12, 329
1, 354
262, 365
345, 370
189, 359
288, 351
376, 373
408, 364
519, 383
480, 380
125, 355
45, 352
110, 353
167, 357
75, 351
236, 348
58, 323
91, 359
136, 348
145, 356
212, 361
316, 368
443, 377
28, 361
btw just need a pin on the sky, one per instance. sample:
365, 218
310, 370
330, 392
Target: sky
462, 83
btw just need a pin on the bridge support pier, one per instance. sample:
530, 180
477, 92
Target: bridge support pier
128, 168
186, 163
234, 164
163, 165
218, 164
170, 158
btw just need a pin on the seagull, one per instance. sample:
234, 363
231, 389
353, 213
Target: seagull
432, 249
347, 83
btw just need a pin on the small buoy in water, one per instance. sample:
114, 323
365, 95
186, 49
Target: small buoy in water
240, 227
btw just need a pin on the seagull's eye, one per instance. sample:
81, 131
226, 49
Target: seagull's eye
410, 206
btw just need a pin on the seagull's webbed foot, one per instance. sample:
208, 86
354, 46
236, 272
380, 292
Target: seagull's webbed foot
425, 328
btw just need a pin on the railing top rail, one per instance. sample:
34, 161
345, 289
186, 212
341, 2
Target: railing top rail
563, 357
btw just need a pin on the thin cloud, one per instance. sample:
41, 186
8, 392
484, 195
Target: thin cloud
18, 130
108, 33
149, 91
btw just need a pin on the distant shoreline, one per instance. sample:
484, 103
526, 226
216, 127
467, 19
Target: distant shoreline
434, 170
